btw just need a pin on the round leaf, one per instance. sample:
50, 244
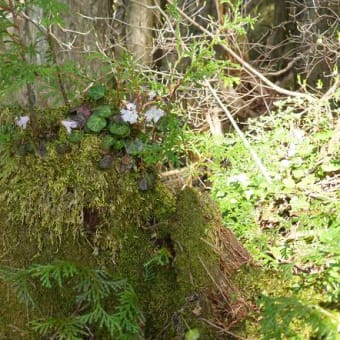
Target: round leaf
107, 142
121, 130
192, 334
96, 92
118, 144
103, 111
134, 147
25, 149
96, 123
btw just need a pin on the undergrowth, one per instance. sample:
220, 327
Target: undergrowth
291, 225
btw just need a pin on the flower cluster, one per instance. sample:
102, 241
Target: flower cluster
129, 114
97, 119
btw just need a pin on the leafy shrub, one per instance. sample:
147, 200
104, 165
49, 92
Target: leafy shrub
291, 225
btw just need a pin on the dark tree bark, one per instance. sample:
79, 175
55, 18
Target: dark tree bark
280, 29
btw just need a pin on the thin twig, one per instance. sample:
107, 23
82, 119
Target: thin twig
222, 329
286, 69
215, 283
248, 68
240, 133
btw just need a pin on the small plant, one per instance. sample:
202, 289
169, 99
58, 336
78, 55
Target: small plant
161, 258
146, 133
141, 128
93, 289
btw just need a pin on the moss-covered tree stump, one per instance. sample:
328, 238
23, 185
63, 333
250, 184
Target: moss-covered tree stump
169, 246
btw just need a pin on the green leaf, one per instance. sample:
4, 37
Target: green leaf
331, 166
118, 144
97, 92
299, 204
299, 173
96, 123
134, 147
119, 129
25, 149
289, 183
107, 142
75, 137
103, 111
192, 334
305, 149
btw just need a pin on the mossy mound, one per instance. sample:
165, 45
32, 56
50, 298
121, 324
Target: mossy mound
62, 206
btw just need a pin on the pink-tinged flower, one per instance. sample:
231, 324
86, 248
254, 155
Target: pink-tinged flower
69, 125
129, 115
22, 121
154, 114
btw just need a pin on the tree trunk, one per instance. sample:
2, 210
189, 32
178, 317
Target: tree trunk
139, 32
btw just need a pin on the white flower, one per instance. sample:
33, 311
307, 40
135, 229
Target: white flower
154, 114
297, 135
291, 150
131, 106
285, 163
22, 121
249, 193
240, 178
69, 125
129, 116
152, 95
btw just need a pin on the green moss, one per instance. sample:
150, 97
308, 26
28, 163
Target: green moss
176, 289
195, 259
50, 194
62, 206
20, 251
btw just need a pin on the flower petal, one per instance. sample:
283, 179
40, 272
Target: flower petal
154, 114
131, 106
69, 125
22, 121
129, 116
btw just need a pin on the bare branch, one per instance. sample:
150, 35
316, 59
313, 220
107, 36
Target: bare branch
248, 68
240, 133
